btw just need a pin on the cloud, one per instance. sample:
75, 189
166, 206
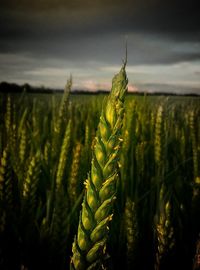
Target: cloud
169, 17
76, 4
106, 48
94, 75
42, 41
169, 88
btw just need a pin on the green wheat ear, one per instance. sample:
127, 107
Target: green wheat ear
97, 207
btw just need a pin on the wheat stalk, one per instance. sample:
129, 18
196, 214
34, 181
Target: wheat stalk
131, 231
164, 231
158, 136
73, 177
63, 155
30, 184
97, 208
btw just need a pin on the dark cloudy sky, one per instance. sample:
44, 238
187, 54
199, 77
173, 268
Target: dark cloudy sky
43, 41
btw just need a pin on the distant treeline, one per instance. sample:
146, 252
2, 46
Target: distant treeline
15, 88
6, 87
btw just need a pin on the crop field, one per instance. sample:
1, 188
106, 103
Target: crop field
99, 181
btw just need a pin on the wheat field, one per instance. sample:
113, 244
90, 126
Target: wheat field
52, 145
